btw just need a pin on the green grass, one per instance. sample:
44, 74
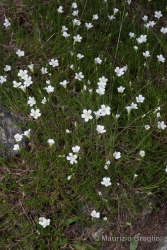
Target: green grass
35, 183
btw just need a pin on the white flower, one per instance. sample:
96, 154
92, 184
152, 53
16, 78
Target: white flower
64, 28
117, 116
44, 70
151, 23
125, 68
119, 71
27, 133
44, 222
97, 114
68, 131
23, 87
112, 17
108, 162
95, 17
158, 114
142, 153
142, 39
161, 125
140, 99
128, 108
23, 74
105, 218
106, 167
134, 105
103, 80
147, 25
106, 181
158, 14
35, 113
101, 84
65, 34
18, 137
163, 30
76, 22
100, 90
135, 47
129, 1
145, 18
31, 101
74, 5
64, 83
20, 53
43, 100
31, 67
105, 110
79, 76
7, 68
16, 84
72, 158
28, 81
51, 142
115, 10
6, 23
147, 127
60, 9
49, 89
77, 38
161, 58
75, 12
2, 79
79, 56
131, 34
72, 66
54, 63
98, 60
135, 175
87, 115
157, 109
76, 149
100, 129
16, 147
121, 89
146, 53
117, 155
69, 177
95, 214
88, 25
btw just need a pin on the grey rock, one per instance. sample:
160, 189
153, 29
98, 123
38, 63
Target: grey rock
163, 243
145, 211
97, 232
8, 128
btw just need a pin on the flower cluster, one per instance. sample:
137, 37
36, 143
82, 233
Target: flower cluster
120, 71
18, 137
72, 157
101, 85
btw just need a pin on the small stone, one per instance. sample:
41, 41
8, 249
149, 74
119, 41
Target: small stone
8, 129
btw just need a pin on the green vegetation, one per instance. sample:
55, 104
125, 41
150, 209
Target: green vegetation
41, 181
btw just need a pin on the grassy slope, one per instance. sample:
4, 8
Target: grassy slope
35, 183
